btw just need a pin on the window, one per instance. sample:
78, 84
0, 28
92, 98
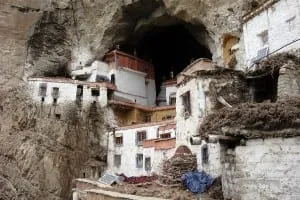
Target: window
264, 37
140, 137
172, 101
147, 118
112, 79
119, 140
57, 116
55, 92
148, 163
186, 104
291, 23
165, 135
139, 160
117, 160
43, 89
204, 153
79, 92
95, 92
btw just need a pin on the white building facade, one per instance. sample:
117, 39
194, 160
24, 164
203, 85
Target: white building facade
274, 26
58, 91
140, 150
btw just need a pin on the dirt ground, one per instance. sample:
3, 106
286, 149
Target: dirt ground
155, 190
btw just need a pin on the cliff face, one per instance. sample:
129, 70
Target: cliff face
39, 156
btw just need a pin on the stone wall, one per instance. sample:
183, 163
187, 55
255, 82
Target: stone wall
288, 82
263, 169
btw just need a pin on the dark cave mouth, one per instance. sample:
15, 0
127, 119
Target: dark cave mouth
170, 48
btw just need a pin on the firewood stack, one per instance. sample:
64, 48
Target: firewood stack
175, 167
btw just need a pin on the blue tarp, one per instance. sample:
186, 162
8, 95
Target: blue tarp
197, 182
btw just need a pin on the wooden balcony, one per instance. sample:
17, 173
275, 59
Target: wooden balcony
160, 144
130, 62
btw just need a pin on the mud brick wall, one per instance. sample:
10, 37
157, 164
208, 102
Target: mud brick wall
288, 82
263, 169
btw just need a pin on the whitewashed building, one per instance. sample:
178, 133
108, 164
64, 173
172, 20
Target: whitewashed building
202, 89
57, 91
272, 27
140, 149
133, 77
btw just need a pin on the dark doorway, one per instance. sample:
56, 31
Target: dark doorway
170, 48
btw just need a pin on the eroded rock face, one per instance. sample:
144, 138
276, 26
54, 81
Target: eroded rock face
39, 157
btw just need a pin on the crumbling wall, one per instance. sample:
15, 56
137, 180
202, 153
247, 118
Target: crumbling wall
289, 81
262, 169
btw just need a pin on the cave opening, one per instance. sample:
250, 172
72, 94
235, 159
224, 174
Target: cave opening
168, 48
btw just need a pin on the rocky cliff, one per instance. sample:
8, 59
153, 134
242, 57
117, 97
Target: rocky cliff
39, 156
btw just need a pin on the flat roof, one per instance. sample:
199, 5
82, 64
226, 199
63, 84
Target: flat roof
147, 124
263, 6
141, 107
71, 81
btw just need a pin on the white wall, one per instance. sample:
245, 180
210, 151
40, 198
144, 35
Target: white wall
187, 127
275, 20
67, 92
263, 169
131, 84
170, 89
128, 151
151, 92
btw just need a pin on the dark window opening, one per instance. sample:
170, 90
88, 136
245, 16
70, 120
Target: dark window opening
204, 153
112, 79
55, 92
79, 91
43, 99
172, 100
95, 92
43, 89
117, 160
169, 48
148, 163
139, 161
186, 103
147, 118
264, 88
165, 135
83, 174
140, 137
54, 101
119, 140
57, 116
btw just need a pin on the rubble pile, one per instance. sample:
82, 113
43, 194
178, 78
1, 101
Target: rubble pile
175, 167
274, 63
138, 179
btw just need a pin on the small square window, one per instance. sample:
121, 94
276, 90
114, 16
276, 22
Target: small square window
117, 160
139, 161
95, 92
119, 140
140, 137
